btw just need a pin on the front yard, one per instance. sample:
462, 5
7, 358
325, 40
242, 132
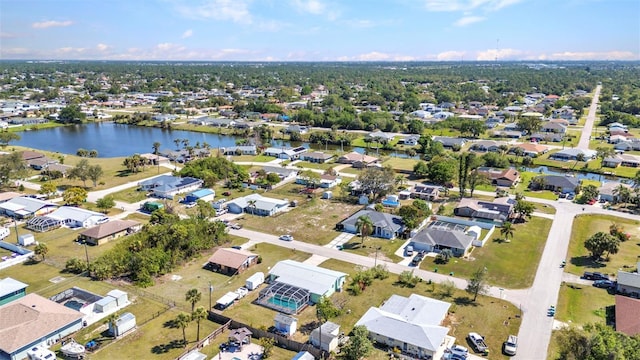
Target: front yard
511, 264
584, 226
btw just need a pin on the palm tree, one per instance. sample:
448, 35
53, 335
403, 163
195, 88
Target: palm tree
193, 296
111, 322
579, 157
41, 250
518, 152
177, 142
156, 150
182, 321
622, 194
251, 204
507, 230
198, 315
364, 225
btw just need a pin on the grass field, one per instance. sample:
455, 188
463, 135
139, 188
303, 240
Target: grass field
585, 226
310, 165
493, 318
130, 195
512, 264
523, 187
400, 163
313, 221
386, 248
581, 304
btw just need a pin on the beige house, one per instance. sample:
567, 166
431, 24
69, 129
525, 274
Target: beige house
108, 231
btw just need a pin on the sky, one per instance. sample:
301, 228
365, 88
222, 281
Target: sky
320, 30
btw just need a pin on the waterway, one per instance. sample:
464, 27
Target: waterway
118, 140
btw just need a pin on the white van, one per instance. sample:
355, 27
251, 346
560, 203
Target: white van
409, 250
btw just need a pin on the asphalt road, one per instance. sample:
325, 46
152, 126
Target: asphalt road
585, 136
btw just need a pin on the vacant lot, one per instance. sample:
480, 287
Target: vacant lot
511, 264
313, 222
383, 249
495, 319
581, 304
585, 226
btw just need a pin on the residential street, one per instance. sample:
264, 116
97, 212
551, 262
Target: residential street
585, 136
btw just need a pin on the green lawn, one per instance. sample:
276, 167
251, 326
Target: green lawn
581, 304
523, 187
312, 221
251, 158
511, 264
400, 163
310, 165
493, 318
387, 248
585, 226
130, 195
544, 208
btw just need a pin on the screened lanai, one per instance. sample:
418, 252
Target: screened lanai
43, 223
285, 298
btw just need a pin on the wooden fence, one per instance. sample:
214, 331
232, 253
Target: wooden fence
204, 342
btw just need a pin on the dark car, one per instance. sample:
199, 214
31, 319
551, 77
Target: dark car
600, 276
605, 284
587, 275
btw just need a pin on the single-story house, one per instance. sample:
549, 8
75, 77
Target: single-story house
316, 157
166, 186
629, 283
530, 149
435, 240
554, 127
385, 225
8, 195
41, 163
556, 183
573, 154
63, 169
295, 128
326, 336
621, 160
11, 289
487, 146
412, 324
29, 155
547, 136
326, 181
239, 150
356, 158
200, 194
34, 321
24, 207
510, 134
216, 122
411, 140
630, 144
284, 173
381, 136
285, 153
627, 315
606, 190
303, 355
70, 216
618, 125
317, 280
257, 204
230, 261
155, 159
425, 192
449, 142
498, 210
108, 231
501, 177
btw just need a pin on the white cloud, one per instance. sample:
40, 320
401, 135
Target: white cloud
227, 10
316, 7
51, 23
187, 34
468, 20
4, 51
593, 55
103, 47
468, 5
502, 54
450, 55
6, 35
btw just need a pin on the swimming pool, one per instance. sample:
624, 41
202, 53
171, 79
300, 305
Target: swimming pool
74, 304
288, 304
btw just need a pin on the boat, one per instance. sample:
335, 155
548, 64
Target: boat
73, 350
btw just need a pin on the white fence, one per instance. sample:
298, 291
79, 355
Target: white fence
20, 255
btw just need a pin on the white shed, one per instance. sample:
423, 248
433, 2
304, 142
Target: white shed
254, 281
125, 322
26, 239
327, 194
120, 296
106, 304
285, 324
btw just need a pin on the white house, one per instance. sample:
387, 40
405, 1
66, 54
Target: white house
257, 204
285, 153
629, 282
70, 216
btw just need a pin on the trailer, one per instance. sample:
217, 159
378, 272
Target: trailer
254, 281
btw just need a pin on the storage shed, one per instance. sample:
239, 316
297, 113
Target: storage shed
120, 296
106, 304
285, 325
125, 323
26, 239
201, 194
254, 281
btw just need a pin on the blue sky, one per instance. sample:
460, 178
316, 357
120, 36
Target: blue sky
320, 30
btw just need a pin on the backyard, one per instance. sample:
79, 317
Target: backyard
512, 264
585, 226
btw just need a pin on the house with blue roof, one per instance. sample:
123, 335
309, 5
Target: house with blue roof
385, 225
201, 194
166, 186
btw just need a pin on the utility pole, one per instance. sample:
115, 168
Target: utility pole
210, 291
86, 253
15, 224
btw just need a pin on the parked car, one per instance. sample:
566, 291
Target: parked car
417, 259
605, 284
459, 350
286, 237
478, 342
189, 205
571, 196
409, 250
595, 276
511, 345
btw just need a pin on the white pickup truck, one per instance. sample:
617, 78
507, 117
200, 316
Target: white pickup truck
478, 342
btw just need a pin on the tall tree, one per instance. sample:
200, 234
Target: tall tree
12, 167
156, 152
477, 283
198, 315
377, 181
193, 296
524, 209
182, 321
74, 196
359, 345
603, 153
602, 243
507, 230
8, 136
105, 203
364, 225
80, 171
94, 173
